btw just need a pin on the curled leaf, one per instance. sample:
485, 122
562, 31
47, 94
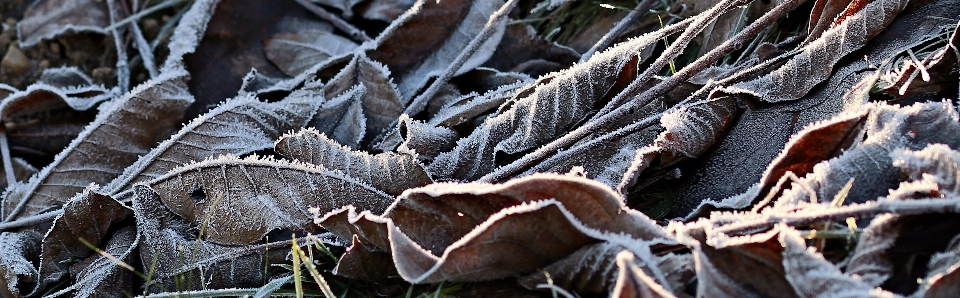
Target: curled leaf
88, 217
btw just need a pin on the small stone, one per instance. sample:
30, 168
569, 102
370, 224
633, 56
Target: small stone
102, 74
150, 27
44, 64
15, 62
141, 77
55, 48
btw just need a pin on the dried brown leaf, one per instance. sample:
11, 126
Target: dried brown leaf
238, 126
341, 118
633, 282
46, 19
746, 266
241, 200
100, 276
428, 37
295, 52
88, 217
184, 262
459, 232
389, 172
815, 62
380, 100
19, 275
127, 128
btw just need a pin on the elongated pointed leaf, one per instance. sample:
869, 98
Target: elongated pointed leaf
539, 115
125, 129
241, 200
389, 172
429, 36
814, 63
380, 100
295, 52
342, 119
238, 126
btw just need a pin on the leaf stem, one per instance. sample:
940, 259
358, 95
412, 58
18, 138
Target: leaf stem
31, 220
602, 122
354, 33
7, 161
912, 207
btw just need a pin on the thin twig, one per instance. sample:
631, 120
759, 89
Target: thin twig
142, 14
898, 207
353, 32
699, 24
493, 22
7, 161
123, 69
600, 123
31, 220
614, 33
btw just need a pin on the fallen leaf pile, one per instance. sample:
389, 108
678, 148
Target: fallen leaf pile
729, 148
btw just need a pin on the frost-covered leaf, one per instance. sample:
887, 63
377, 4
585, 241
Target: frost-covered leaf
745, 266
99, 276
539, 115
295, 52
125, 128
936, 164
594, 269
688, 132
426, 140
814, 62
522, 50
469, 107
89, 216
389, 172
18, 271
449, 231
739, 161
46, 19
233, 43
184, 262
813, 276
633, 282
241, 200
380, 100
893, 251
428, 37
238, 126
342, 119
